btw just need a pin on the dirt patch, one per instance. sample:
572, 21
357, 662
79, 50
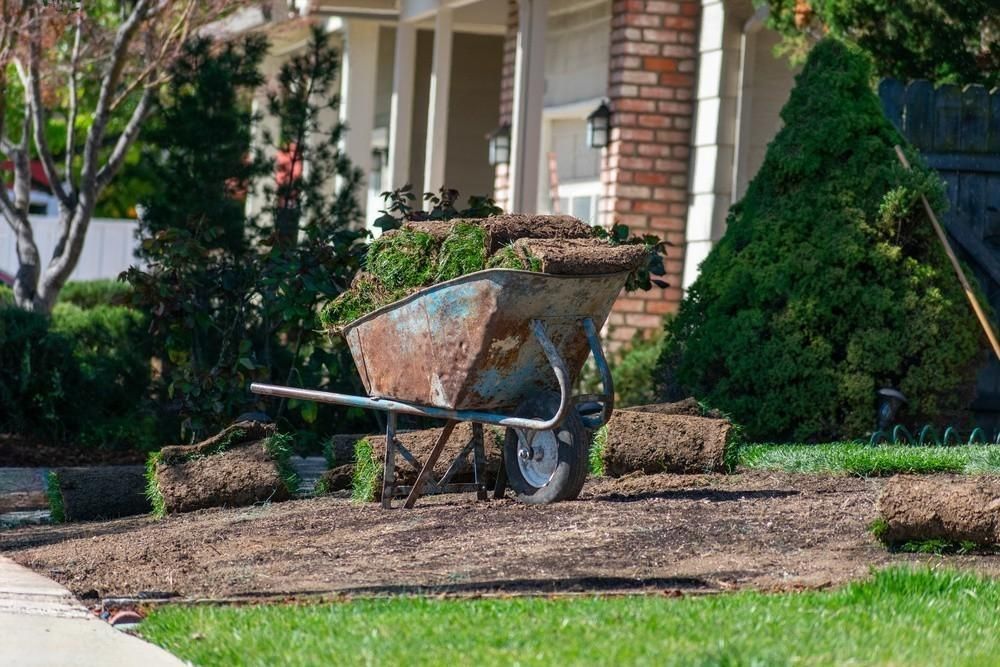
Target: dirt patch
503, 230
696, 532
654, 443
944, 507
581, 257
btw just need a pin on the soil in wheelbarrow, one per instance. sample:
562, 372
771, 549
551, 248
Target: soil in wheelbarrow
640, 533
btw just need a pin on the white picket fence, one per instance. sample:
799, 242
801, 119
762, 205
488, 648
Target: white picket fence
108, 250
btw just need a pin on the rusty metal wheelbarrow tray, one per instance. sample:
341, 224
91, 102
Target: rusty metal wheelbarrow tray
468, 343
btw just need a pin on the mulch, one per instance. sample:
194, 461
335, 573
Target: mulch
644, 533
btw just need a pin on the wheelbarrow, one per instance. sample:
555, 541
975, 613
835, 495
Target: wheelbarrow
497, 347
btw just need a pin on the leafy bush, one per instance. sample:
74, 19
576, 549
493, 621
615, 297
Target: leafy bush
80, 377
829, 282
6, 296
91, 293
634, 372
39, 378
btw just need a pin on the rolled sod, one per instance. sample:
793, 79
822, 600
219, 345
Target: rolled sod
954, 508
503, 230
370, 454
91, 493
580, 257
650, 442
247, 463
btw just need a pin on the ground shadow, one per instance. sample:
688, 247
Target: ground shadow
712, 495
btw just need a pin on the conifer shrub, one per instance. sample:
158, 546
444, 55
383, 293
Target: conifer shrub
829, 282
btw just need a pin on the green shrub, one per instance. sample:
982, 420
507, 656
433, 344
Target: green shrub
39, 379
6, 296
634, 372
829, 282
91, 293
80, 377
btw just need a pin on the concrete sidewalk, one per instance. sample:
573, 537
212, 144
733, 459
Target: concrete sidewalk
41, 623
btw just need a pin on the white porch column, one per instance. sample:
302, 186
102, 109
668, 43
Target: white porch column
401, 108
437, 114
357, 94
529, 93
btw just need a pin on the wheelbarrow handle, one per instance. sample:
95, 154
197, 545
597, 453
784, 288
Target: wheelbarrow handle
390, 405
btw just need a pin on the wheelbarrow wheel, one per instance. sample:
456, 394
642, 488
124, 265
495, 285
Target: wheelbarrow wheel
546, 466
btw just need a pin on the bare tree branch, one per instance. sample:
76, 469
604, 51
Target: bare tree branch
125, 139
31, 79
74, 68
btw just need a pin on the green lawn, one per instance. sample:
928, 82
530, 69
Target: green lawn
866, 460
897, 617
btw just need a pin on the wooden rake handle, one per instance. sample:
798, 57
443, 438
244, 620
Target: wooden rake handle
973, 301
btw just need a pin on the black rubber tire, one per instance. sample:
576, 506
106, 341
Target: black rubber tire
572, 465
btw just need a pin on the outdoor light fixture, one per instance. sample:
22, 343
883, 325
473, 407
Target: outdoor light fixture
599, 126
890, 401
500, 145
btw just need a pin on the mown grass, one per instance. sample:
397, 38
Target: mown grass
898, 617
868, 461
57, 510
366, 472
279, 448
153, 492
462, 251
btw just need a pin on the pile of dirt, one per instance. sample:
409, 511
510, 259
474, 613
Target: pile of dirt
664, 438
953, 508
106, 492
421, 254
245, 464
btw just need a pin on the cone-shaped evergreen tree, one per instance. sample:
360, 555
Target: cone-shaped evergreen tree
829, 282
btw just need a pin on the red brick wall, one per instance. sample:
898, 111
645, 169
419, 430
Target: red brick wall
501, 190
651, 88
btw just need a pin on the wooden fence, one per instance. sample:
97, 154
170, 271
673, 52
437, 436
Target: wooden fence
958, 133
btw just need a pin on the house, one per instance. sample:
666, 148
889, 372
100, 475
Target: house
693, 89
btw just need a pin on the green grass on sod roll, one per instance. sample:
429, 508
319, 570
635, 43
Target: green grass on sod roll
896, 617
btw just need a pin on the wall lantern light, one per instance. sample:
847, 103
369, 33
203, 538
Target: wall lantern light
889, 403
500, 145
599, 126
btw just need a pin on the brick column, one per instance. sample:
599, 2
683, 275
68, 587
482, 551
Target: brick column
501, 185
646, 165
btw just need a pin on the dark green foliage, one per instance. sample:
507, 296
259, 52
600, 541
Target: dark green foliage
91, 293
233, 299
77, 378
829, 282
946, 41
399, 207
634, 370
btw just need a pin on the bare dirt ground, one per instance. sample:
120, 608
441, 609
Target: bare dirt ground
651, 533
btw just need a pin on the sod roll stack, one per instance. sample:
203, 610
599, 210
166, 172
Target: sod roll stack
421, 254
246, 463
663, 438
91, 493
953, 508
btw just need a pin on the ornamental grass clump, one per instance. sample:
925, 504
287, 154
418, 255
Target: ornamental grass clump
829, 282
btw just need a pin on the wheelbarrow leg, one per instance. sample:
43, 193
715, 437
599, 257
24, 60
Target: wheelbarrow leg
428, 466
389, 470
500, 488
479, 460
